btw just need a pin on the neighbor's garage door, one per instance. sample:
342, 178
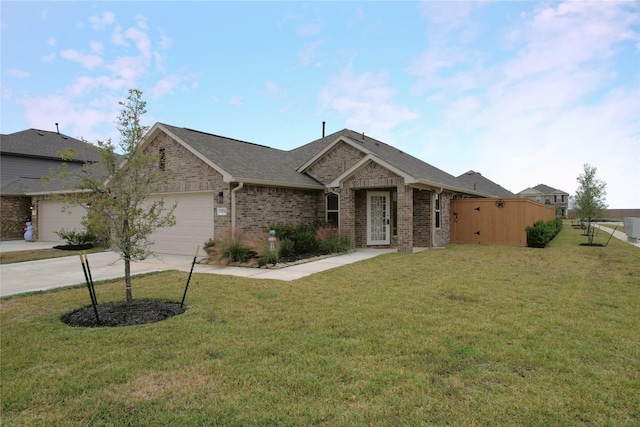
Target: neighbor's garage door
194, 224
51, 219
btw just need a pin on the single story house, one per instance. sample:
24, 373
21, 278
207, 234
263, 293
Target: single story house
483, 184
374, 193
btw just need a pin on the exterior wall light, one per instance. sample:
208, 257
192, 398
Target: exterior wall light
220, 197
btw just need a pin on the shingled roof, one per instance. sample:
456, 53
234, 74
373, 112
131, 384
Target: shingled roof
399, 159
243, 161
545, 189
478, 182
46, 145
249, 162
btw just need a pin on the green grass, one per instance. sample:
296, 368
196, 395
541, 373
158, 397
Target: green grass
36, 254
613, 226
466, 335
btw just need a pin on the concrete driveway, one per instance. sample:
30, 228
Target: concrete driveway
67, 271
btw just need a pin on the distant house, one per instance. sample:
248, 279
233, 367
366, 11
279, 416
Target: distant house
476, 181
377, 195
25, 157
549, 196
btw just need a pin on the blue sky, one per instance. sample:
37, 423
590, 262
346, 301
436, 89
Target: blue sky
523, 92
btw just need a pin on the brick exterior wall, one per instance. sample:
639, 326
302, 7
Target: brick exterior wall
13, 210
185, 172
353, 213
335, 162
422, 218
443, 234
258, 207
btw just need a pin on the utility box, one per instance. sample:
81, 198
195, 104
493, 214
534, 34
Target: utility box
632, 228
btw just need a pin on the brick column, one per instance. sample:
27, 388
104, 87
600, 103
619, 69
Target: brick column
405, 219
348, 215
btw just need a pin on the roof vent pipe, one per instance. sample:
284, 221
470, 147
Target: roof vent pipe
323, 122
57, 129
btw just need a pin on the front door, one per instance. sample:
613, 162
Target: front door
378, 221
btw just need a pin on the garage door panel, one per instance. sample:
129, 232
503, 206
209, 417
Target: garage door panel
194, 224
52, 218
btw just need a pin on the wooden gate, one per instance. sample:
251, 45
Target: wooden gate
495, 221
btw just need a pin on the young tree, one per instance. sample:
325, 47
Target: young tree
590, 197
120, 209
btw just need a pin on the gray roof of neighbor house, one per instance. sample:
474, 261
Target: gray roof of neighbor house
545, 189
478, 182
46, 145
244, 161
395, 157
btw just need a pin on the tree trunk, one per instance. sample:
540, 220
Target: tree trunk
127, 279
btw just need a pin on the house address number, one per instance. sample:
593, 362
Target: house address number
222, 211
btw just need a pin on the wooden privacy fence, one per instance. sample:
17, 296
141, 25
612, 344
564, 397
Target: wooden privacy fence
495, 221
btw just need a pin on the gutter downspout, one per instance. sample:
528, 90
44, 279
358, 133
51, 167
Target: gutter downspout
233, 209
433, 212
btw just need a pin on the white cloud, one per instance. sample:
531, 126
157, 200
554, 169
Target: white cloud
142, 22
49, 58
88, 104
311, 29
555, 104
117, 37
366, 102
100, 22
17, 73
236, 101
96, 47
77, 120
165, 41
309, 53
141, 40
358, 16
52, 41
86, 60
273, 92
168, 84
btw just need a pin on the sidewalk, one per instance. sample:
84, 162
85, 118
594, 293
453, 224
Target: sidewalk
617, 234
67, 271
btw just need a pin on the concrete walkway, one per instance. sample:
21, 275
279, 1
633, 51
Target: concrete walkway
67, 271
620, 235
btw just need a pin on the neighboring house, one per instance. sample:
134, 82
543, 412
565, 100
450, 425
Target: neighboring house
549, 196
377, 195
25, 157
478, 182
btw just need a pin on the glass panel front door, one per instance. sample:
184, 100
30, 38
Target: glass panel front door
378, 224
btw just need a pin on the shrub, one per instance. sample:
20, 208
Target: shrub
541, 233
76, 238
287, 248
296, 239
330, 241
208, 244
234, 250
305, 239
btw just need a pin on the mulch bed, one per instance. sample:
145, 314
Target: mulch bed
112, 314
74, 247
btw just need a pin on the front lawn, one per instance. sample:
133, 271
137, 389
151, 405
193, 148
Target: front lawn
465, 335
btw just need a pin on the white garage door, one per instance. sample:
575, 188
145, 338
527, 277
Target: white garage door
194, 225
51, 219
